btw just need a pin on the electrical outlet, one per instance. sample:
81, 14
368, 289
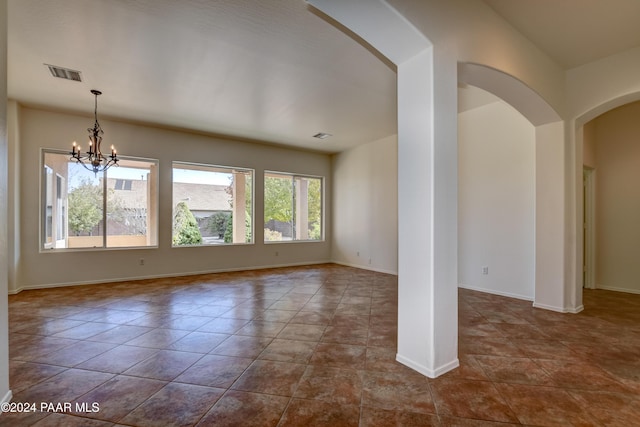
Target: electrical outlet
485, 270
277, 253
141, 261
358, 253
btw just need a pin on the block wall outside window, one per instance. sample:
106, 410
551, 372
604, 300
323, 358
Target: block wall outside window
83, 210
212, 205
292, 207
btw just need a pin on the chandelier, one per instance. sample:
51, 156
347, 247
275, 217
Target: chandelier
93, 159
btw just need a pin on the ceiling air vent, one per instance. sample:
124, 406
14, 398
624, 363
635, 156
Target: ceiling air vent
322, 135
64, 73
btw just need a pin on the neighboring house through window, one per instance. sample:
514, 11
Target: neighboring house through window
114, 209
212, 205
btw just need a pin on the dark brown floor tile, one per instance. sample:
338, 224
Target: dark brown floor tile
536, 405
242, 346
185, 322
198, 342
85, 330
260, 328
35, 346
314, 413
120, 334
266, 376
70, 420
21, 419
471, 399
215, 371
345, 334
447, 421
241, 409
396, 392
545, 349
469, 369
520, 331
23, 375
119, 396
164, 365
105, 315
489, 346
67, 386
118, 359
513, 370
242, 313
211, 311
288, 351
302, 332
190, 401
580, 375
335, 385
276, 315
223, 325
610, 409
375, 417
339, 356
312, 317
74, 354
158, 338
42, 326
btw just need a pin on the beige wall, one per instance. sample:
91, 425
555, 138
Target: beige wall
496, 201
44, 129
617, 156
365, 208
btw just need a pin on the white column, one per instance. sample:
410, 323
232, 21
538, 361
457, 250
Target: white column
550, 292
427, 181
302, 209
5, 392
239, 208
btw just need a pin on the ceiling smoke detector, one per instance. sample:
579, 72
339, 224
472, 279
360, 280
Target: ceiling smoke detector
322, 135
64, 73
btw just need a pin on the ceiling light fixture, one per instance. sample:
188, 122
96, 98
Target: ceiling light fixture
322, 135
93, 159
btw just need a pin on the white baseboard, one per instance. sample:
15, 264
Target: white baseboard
431, 373
494, 292
365, 267
161, 276
618, 289
559, 309
7, 398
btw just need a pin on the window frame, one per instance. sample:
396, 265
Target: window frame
45, 247
293, 201
206, 167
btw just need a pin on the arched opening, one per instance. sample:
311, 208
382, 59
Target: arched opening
607, 153
496, 196
549, 268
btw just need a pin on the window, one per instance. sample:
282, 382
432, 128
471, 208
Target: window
212, 205
81, 209
292, 207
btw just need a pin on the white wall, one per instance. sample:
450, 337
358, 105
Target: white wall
43, 129
365, 206
496, 201
617, 153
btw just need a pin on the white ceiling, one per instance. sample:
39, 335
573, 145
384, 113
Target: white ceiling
269, 70
575, 32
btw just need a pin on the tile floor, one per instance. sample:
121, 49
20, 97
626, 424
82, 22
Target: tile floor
312, 346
